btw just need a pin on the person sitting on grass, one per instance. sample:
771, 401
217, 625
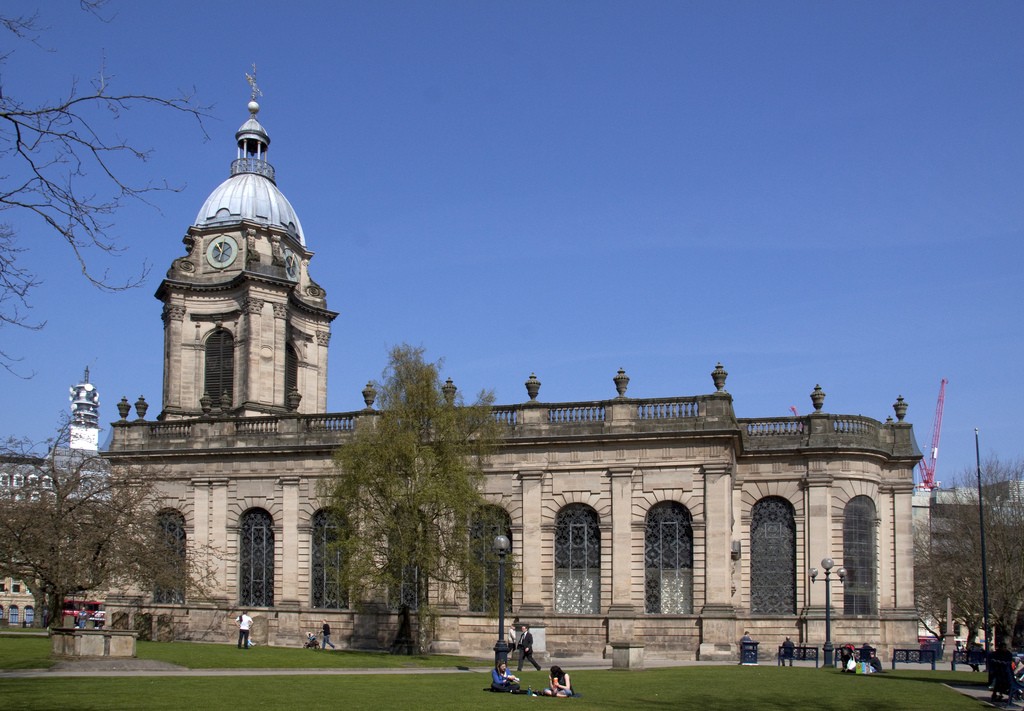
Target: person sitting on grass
503, 680
560, 683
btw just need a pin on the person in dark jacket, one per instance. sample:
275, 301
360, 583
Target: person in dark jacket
526, 649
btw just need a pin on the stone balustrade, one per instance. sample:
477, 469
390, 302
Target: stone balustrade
692, 414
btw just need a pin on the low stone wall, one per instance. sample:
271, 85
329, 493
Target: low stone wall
71, 642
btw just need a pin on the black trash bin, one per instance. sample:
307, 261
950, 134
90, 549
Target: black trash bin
748, 652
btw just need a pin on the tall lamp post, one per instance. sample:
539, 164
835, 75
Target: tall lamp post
981, 524
501, 547
827, 564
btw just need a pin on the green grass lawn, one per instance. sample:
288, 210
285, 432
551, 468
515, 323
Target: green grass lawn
704, 688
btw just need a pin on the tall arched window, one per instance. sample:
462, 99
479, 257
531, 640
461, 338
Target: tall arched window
668, 560
327, 590
291, 370
30, 615
256, 569
487, 523
772, 557
577, 561
220, 366
859, 596
12, 615
170, 583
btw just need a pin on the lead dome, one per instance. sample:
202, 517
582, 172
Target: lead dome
251, 193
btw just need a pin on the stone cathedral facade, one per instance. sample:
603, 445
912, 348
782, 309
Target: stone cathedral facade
666, 525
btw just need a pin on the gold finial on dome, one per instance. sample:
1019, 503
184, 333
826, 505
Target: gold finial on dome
254, 107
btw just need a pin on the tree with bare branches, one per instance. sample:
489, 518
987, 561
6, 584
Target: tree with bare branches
70, 523
60, 166
947, 560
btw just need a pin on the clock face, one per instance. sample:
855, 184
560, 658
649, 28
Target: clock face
291, 264
222, 252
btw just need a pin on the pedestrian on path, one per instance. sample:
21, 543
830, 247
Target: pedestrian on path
526, 648
325, 641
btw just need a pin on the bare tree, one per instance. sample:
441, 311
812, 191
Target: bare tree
948, 561
69, 523
60, 165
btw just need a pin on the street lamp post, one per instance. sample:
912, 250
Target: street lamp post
501, 547
827, 564
981, 524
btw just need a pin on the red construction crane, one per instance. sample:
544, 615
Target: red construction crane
928, 463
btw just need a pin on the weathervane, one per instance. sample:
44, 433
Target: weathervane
251, 78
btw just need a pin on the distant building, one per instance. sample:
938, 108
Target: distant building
664, 523
17, 606
29, 477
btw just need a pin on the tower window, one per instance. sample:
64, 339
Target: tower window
291, 370
220, 365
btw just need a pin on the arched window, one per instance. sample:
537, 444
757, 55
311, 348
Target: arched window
170, 583
488, 523
772, 557
327, 590
577, 561
30, 615
668, 560
256, 570
291, 370
859, 596
1, 612
12, 614
220, 366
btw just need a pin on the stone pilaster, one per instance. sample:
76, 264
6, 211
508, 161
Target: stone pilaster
289, 486
529, 545
718, 616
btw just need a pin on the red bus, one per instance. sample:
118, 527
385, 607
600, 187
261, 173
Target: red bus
81, 612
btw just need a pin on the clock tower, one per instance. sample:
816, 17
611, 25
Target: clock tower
246, 328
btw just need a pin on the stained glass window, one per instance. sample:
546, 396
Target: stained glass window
772, 557
859, 596
170, 588
577, 561
668, 560
256, 574
326, 572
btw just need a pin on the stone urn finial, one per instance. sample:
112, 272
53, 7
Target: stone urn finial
206, 403
369, 394
449, 390
123, 408
718, 376
140, 407
900, 408
532, 387
225, 401
294, 398
817, 398
621, 382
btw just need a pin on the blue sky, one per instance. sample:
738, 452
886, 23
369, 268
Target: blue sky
808, 192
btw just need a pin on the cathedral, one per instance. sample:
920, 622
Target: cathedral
665, 526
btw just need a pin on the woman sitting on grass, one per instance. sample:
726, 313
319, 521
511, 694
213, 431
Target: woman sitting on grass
560, 684
503, 680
